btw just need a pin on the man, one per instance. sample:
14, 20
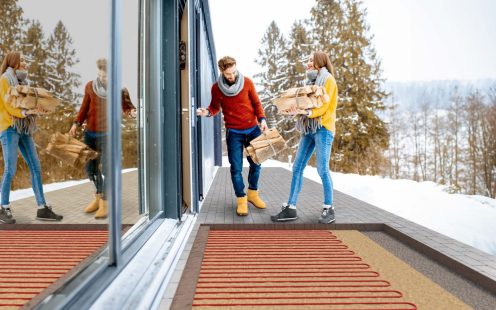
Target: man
243, 113
93, 111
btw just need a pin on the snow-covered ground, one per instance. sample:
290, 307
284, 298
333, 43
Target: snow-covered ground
468, 219
28, 192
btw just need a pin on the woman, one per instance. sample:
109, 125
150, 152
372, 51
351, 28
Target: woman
317, 127
93, 112
16, 129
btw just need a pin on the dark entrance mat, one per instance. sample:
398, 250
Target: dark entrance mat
291, 269
36, 259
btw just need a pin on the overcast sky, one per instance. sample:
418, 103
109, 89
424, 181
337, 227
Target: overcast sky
88, 22
416, 39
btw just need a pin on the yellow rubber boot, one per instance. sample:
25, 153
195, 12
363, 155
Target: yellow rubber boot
93, 206
255, 199
102, 209
242, 208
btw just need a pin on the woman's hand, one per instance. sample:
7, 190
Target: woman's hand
72, 131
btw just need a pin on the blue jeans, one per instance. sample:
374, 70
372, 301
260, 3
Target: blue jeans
96, 168
235, 144
11, 142
321, 141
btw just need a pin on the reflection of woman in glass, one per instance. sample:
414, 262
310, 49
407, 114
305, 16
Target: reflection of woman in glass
94, 111
16, 129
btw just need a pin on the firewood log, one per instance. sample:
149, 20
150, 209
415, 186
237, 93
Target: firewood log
69, 150
26, 90
26, 97
89, 154
268, 134
265, 146
59, 138
297, 91
264, 143
301, 98
267, 152
67, 158
283, 104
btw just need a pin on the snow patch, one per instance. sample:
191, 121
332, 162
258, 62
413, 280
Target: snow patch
467, 218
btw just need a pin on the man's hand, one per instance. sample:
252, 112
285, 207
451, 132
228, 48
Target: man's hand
72, 131
202, 112
263, 125
131, 113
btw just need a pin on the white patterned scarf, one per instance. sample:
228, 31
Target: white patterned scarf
99, 88
234, 89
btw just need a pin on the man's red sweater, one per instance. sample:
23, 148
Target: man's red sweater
242, 111
93, 109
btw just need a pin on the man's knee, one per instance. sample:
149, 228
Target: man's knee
236, 169
255, 167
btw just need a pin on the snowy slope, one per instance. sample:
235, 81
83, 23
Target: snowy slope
468, 219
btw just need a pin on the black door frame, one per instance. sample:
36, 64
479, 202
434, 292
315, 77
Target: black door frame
194, 9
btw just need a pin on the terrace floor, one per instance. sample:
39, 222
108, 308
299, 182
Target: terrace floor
463, 271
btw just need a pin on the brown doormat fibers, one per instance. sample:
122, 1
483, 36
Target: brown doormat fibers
32, 260
308, 269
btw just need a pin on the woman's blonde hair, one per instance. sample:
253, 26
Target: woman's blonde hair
12, 59
321, 60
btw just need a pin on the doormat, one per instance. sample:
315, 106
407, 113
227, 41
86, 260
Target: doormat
301, 269
33, 260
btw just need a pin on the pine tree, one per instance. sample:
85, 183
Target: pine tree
44, 60
61, 58
47, 62
326, 23
274, 78
10, 25
361, 136
35, 54
300, 47
63, 82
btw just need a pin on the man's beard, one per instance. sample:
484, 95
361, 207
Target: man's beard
229, 82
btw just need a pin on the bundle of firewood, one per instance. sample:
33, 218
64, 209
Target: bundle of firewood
70, 150
301, 98
267, 145
31, 98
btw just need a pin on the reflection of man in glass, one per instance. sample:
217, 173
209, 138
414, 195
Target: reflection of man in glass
94, 111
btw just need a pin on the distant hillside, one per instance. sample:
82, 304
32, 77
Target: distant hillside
437, 93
